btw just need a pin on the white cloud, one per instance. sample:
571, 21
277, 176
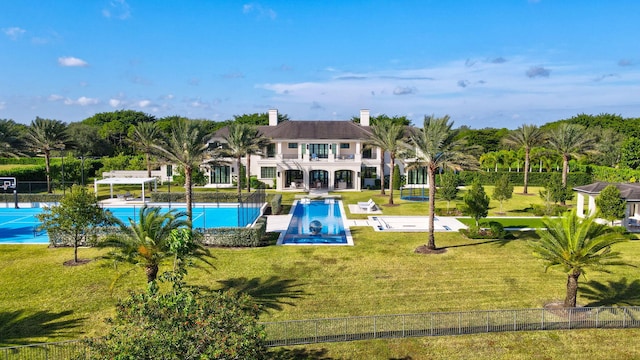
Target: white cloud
71, 61
14, 32
55, 97
491, 94
117, 9
82, 101
114, 103
262, 12
3, 105
144, 103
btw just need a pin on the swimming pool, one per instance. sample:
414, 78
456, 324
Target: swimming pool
317, 222
20, 226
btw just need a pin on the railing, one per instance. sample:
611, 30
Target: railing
299, 332
73, 349
285, 333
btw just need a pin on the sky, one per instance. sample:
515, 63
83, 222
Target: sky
500, 63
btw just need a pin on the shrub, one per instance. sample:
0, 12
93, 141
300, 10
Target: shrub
236, 236
397, 181
276, 204
183, 324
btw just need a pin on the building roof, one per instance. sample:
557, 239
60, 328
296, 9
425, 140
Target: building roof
628, 191
327, 130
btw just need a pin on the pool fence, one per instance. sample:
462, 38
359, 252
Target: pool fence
301, 332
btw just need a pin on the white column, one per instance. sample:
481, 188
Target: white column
592, 205
580, 205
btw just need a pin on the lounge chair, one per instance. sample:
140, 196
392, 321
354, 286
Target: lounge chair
368, 206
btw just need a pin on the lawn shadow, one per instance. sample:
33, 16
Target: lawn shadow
621, 293
19, 326
270, 294
499, 242
299, 354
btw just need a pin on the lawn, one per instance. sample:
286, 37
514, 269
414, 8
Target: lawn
45, 301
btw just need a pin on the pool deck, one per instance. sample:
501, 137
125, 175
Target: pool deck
279, 223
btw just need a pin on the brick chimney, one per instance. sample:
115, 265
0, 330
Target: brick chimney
364, 117
273, 117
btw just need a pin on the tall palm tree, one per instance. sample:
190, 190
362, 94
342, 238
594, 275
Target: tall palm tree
148, 241
575, 245
242, 140
186, 147
388, 136
145, 135
10, 143
569, 140
44, 136
526, 137
436, 147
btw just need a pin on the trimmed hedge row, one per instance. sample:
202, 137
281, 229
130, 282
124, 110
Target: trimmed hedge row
236, 237
205, 197
31, 173
517, 178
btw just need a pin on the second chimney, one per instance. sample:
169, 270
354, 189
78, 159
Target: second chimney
273, 117
364, 117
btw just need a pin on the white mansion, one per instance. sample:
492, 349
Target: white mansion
305, 155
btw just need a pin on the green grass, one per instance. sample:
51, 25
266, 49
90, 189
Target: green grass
506, 222
379, 275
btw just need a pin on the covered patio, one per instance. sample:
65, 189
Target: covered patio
629, 192
126, 181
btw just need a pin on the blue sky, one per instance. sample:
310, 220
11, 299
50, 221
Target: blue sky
485, 63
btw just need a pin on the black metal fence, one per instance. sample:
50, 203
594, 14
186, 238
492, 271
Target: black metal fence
300, 332
285, 333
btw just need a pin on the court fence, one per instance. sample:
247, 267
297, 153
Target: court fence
301, 332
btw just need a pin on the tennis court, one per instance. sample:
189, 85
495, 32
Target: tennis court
20, 226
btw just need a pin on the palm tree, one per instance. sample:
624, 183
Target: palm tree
526, 137
436, 147
575, 245
242, 140
569, 140
187, 147
388, 136
45, 135
150, 241
145, 136
9, 139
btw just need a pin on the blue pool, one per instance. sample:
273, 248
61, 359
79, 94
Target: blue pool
317, 222
20, 226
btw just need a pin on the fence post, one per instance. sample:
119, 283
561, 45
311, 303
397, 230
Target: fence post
570, 313
487, 321
597, 317
316, 323
542, 318
375, 329
514, 320
624, 318
403, 326
345, 329
459, 323
431, 324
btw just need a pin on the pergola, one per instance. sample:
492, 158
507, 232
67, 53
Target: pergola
126, 181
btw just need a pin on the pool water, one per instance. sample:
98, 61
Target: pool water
317, 222
20, 226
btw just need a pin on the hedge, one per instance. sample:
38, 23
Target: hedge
276, 204
517, 178
31, 173
236, 237
204, 197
